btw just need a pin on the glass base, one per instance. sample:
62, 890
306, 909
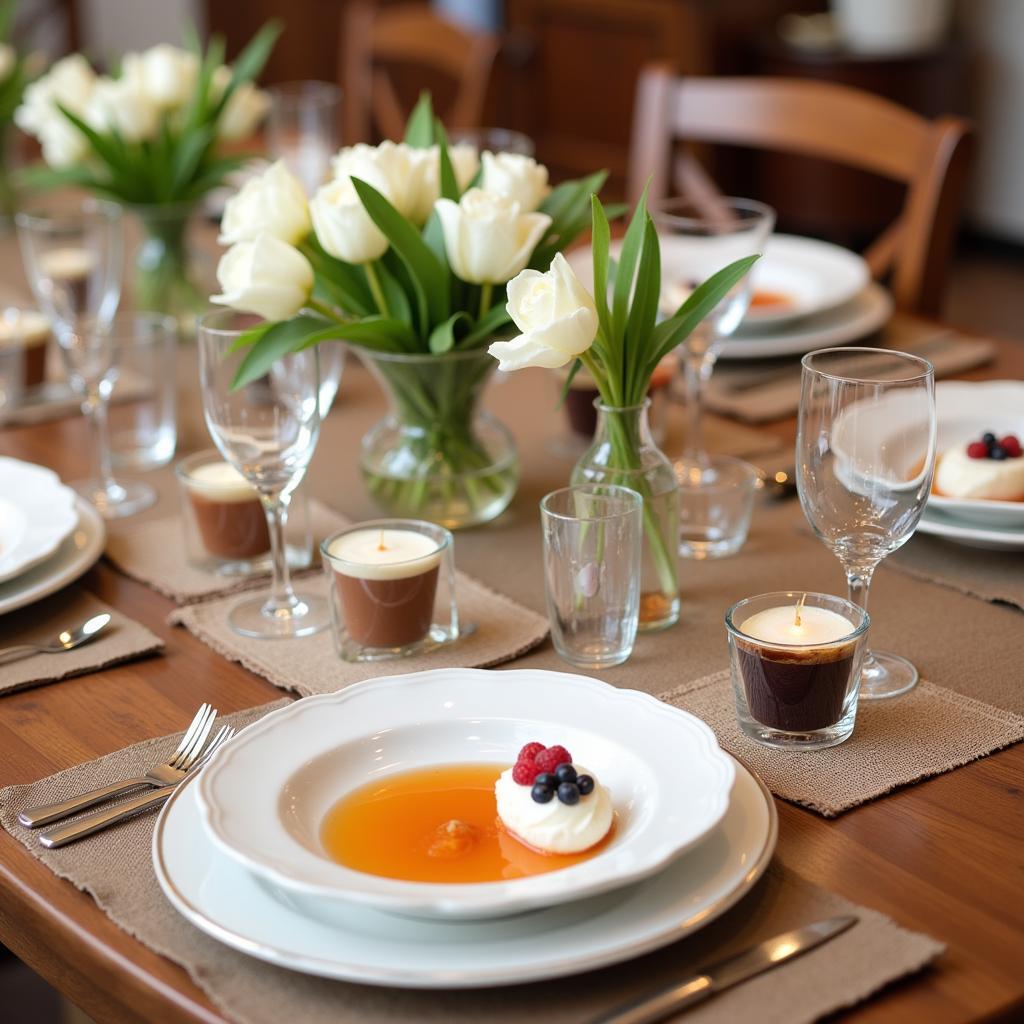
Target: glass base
886, 675
121, 499
815, 739
700, 547
657, 611
253, 617
437, 636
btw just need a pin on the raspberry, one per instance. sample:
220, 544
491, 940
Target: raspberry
564, 757
1011, 445
530, 751
977, 450
524, 772
548, 760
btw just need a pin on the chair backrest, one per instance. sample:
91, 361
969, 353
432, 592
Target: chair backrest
820, 119
409, 34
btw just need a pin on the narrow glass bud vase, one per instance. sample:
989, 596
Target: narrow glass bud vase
624, 453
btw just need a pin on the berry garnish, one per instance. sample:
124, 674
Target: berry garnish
565, 773
1011, 445
988, 438
548, 760
542, 794
585, 784
546, 779
989, 447
569, 793
530, 751
997, 452
524, 772
977, 450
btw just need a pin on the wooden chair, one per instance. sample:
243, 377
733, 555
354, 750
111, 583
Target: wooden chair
817, 119
409, 34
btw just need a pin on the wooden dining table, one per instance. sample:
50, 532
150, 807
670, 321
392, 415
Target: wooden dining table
945, 857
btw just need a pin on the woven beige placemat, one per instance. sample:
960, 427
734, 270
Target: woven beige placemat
153, 553
503, 630
115, 868
122, 640
926, 732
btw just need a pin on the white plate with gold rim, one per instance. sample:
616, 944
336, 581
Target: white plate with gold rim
265, 798
225, 901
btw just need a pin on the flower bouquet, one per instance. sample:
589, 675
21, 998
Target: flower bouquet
150, 139
16, 71
616, 335
405, 255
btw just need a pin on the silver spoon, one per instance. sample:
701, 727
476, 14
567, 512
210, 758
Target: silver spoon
68, 640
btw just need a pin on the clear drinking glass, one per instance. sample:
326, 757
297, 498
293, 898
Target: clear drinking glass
714, 519
268, 431
73, 254
697, 240
302, 129
593, 536
494, 140
865, 456
12, 377
332, 366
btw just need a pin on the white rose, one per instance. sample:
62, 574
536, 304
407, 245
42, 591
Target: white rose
167, 74
244, 111
264, 276
556, 315
343, 226
273, 203
7, 60
487, 238
119, 103
519, 177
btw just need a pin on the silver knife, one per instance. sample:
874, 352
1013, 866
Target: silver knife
718, 977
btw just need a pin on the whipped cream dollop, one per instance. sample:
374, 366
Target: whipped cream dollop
554, 827
959, 476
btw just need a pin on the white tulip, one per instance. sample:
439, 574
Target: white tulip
244, 111
264, 276
8, 59
120, 104
69, 83
343, 226
425, 176
487, 239
273, 203
62, 143
394, 169
167, 74
465, 161
519, 177
556, 314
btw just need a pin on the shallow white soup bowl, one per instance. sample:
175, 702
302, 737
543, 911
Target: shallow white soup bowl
264, 799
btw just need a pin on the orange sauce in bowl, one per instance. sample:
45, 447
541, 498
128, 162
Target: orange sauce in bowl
764, 299
436, 824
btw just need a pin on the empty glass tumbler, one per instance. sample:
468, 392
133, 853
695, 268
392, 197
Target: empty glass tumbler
593, 537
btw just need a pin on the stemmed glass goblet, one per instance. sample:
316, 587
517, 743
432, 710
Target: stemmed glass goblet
268, 431
72, 256
865, 454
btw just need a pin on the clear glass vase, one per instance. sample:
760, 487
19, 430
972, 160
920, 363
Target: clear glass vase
168, 276
624, 453
436, 456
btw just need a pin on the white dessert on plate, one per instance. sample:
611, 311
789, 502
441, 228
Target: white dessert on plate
965, 471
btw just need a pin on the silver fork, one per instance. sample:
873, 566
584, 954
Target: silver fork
158, 776
80, 827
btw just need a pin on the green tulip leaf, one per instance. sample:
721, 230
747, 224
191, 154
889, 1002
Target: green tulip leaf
419, 129
442, 337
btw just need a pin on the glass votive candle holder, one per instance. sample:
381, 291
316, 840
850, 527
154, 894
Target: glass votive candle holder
392, 588
715, 509
225, 525
796, 667
27, 332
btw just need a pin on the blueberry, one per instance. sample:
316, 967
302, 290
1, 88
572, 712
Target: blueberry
546, 779
989, 438
585, 784
997, 452
541, 794
569, 793
565, 773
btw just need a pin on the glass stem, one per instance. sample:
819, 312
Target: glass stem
859, 585
282, 601
95, 409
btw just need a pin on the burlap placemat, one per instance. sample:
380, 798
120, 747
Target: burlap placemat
503, 630
122, 640
926, 732
153, 553
765, 390
115, 868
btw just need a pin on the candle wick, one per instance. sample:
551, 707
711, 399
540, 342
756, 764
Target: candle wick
799, 607
381, 546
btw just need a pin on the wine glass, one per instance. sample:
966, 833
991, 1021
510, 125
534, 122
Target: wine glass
865, 454
302, 129
72, 255
268, 431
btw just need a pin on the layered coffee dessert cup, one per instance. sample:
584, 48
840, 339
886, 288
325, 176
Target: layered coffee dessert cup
29, 331
796, 667
392, 587
225, 524
70, 270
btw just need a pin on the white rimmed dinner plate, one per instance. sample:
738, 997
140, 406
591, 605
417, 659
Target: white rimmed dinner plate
264, 799
74, 556
36, 513
222, 899
958, 531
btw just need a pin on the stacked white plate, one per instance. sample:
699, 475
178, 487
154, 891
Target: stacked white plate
49, 536
966, 410
239, 852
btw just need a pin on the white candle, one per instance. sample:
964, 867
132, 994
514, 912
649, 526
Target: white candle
67, 264
220, 481
795, 625
23, 327
385, 554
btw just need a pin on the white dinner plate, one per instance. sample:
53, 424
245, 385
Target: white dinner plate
36, 513
77, 553
966, 410
221, 898
990, 538
265, 798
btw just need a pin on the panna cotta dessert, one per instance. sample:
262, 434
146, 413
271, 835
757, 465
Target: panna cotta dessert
990, 469
551, 804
